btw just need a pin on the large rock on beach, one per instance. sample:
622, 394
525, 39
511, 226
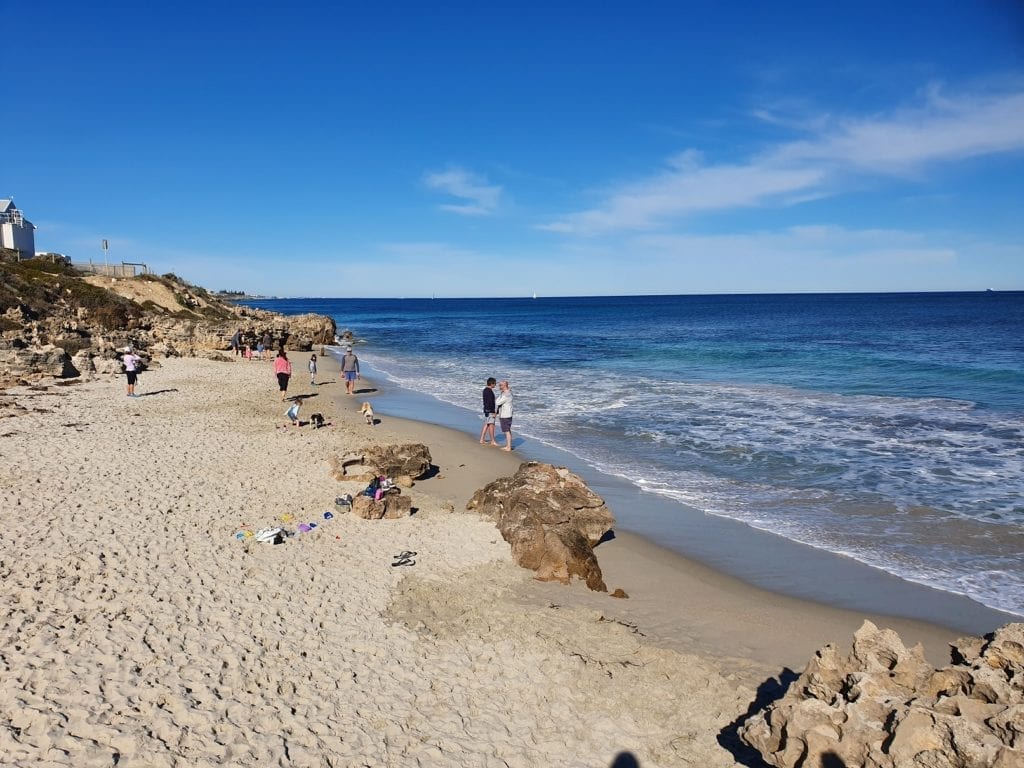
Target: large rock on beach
305, 331
46, 360
409, 460
884, 706
391, 507
551, 519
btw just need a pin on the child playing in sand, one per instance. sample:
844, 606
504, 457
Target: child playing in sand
293, 413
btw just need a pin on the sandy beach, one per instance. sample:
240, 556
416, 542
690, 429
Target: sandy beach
137, 630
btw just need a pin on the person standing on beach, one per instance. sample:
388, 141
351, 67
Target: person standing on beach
489, 411
350, 369
132, 366
312, 370
504, 405
236, 342
283, 369
265, 344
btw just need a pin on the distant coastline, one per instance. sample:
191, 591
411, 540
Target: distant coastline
236, 297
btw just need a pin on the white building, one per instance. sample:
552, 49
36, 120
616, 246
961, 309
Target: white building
16, 232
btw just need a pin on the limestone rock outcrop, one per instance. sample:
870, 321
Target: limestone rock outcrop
57, 322
408, 460
391, 507
304, 331
46, 360
551, 519
884, 706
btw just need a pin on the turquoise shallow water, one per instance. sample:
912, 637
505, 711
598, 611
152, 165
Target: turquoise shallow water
889, 428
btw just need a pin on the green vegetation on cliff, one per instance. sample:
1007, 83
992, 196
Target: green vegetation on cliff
40, 289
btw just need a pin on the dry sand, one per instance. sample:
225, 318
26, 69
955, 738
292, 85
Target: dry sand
136, 630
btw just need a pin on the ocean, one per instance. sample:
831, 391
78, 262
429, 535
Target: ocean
888, 428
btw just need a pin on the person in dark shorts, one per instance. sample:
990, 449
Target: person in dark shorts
504, 404
283, 369
236, 342
489, 410
132, 365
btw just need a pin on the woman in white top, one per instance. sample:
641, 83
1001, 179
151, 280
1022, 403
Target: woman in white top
131, 368
504, 405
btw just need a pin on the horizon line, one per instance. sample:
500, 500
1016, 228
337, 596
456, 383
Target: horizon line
255, 297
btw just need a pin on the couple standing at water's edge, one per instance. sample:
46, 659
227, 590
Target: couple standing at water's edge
500, 406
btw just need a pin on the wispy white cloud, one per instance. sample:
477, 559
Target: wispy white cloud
688, 187
479, 198
942, 129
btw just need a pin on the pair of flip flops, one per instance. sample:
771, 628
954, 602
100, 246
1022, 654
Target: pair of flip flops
404, 558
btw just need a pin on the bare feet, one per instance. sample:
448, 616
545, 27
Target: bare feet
507, 449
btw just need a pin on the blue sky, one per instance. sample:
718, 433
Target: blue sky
470, 149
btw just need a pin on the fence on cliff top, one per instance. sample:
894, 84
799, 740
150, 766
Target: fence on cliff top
124, 269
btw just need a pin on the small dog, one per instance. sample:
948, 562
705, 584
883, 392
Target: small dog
317, 420
367, 410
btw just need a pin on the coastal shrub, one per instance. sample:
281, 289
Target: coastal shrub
39, 288
23, 284
46, 266
215, 313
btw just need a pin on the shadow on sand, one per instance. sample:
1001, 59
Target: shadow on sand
156, 392
771, 690
300, 398
624, 760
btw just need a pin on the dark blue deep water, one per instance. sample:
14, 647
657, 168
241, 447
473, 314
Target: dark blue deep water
887, 427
